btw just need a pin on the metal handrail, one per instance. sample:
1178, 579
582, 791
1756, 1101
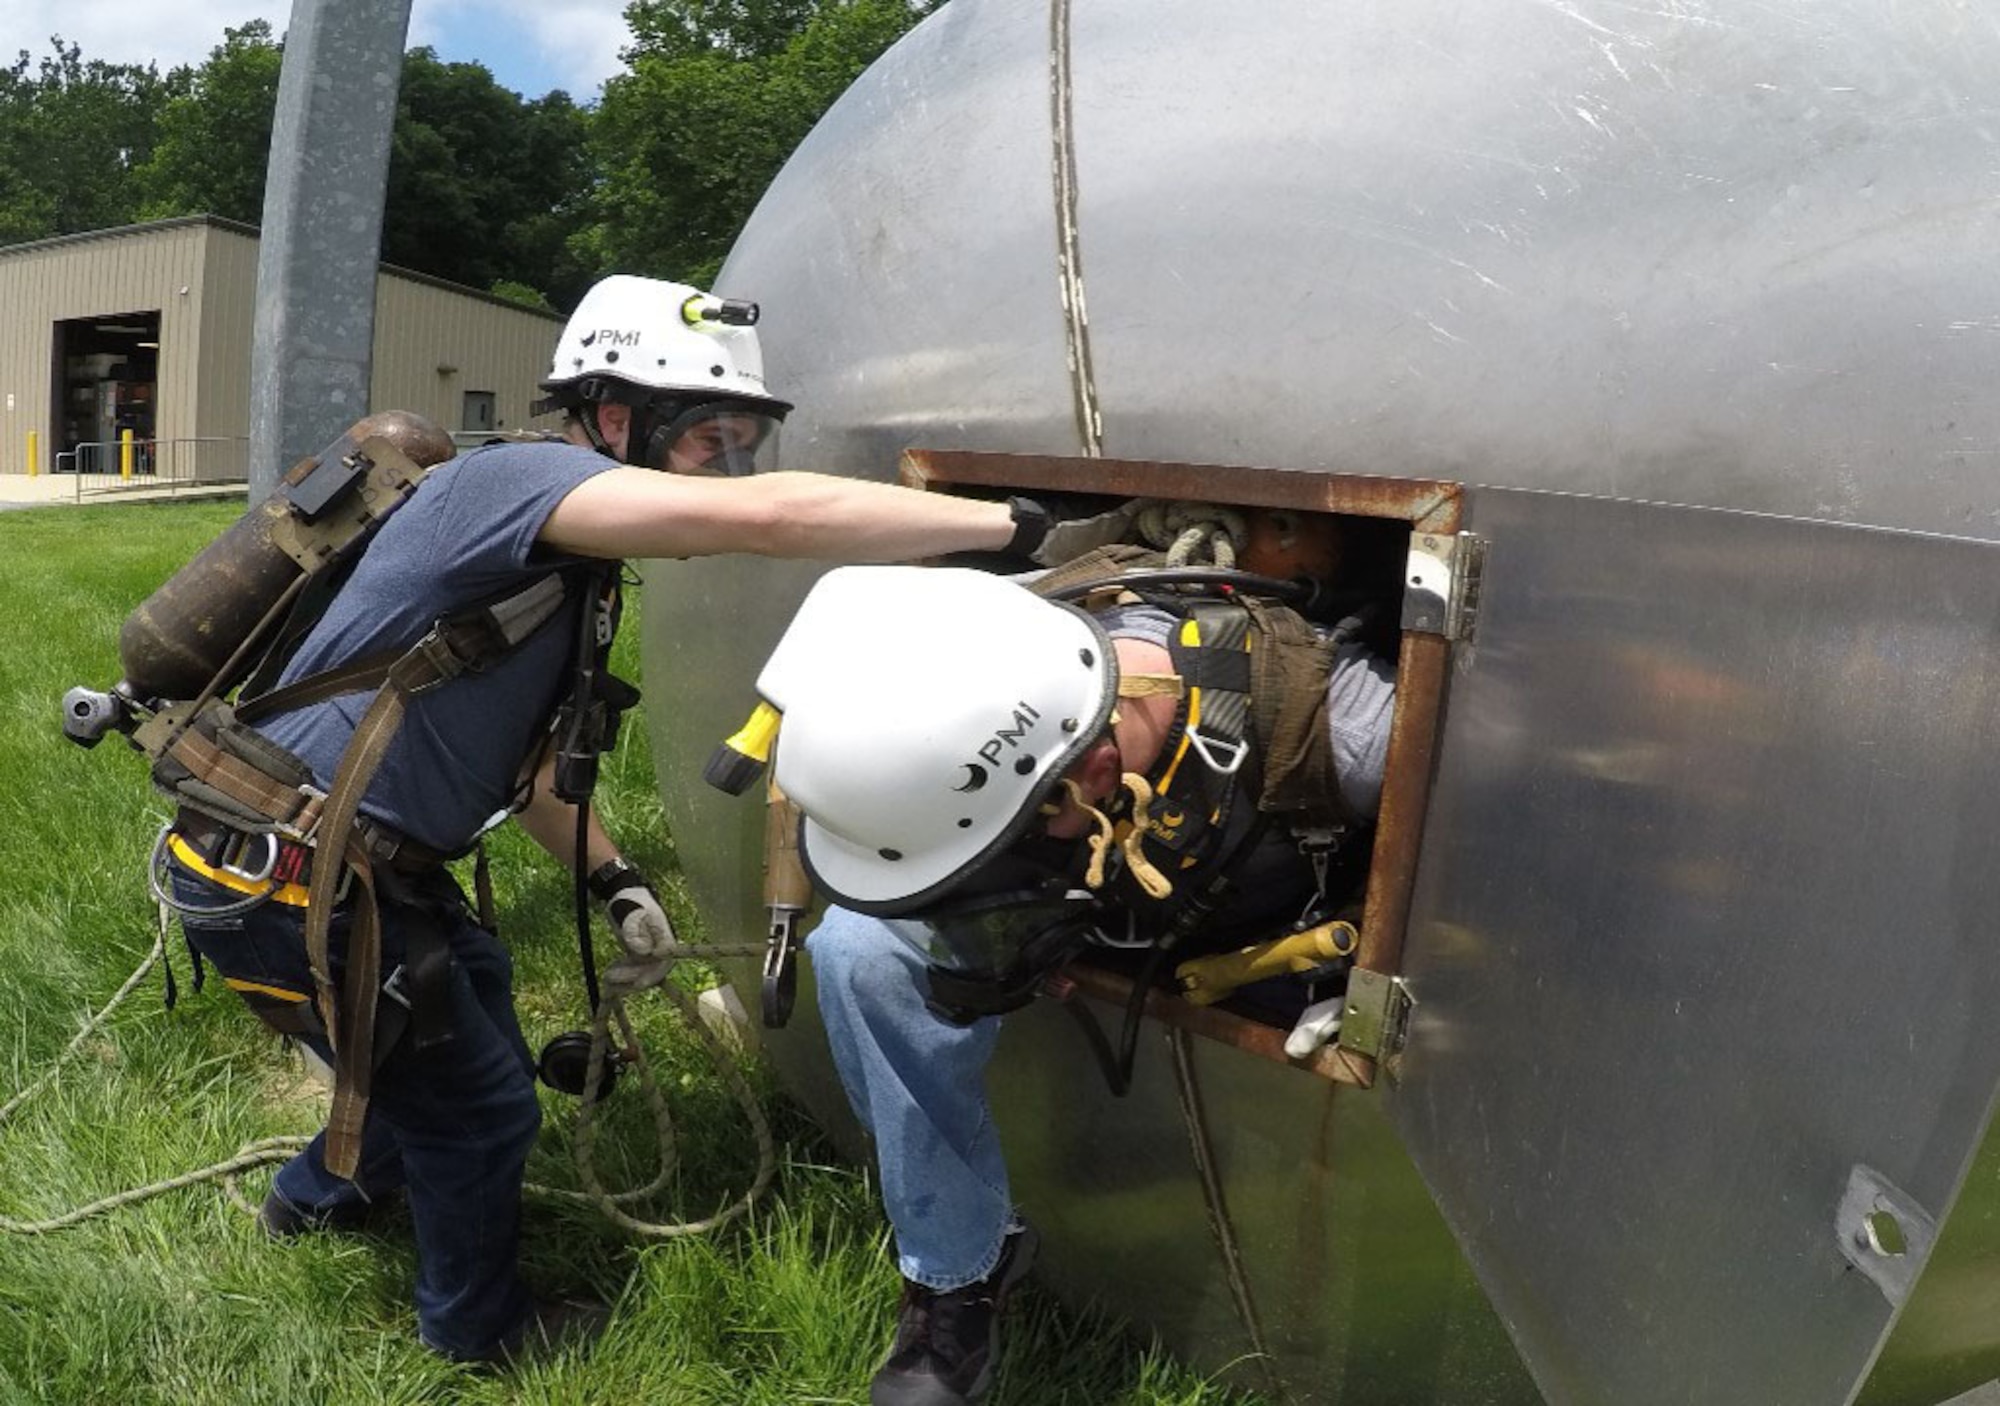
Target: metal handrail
196, 461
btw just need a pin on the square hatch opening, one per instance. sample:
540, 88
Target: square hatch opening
1383, 546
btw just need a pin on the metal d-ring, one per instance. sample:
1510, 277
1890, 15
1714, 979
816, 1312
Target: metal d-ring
156, 868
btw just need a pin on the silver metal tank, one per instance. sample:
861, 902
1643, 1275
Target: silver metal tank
1701, 303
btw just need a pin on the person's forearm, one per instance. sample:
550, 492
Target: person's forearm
551, 823
845, 519
639, 513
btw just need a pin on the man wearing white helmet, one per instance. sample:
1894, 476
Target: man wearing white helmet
1044, 773
652, 376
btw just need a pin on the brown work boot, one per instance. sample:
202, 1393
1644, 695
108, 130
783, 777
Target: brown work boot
948, 1341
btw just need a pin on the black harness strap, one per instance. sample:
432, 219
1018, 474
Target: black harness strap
1205, 757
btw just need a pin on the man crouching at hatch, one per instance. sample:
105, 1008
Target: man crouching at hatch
654, 377
990, 778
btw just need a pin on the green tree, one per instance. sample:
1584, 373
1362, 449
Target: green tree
215, 131
485, 187
72, 138
718, 94
743, 29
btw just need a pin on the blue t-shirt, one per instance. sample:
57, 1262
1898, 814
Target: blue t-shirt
465, 538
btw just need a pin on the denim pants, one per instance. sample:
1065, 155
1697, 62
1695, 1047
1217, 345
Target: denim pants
918, 1085
452, 1125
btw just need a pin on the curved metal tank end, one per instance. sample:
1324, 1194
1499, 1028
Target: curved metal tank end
1726, 256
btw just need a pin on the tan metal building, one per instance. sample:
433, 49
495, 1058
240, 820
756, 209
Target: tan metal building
147, 329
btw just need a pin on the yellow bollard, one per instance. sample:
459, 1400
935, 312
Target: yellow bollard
34, 452
125, 454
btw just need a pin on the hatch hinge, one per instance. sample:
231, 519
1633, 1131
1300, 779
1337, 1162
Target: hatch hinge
1377, 1016
1441, 587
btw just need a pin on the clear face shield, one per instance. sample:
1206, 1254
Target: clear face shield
729, 439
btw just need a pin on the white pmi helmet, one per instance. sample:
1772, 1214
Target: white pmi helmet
658, 337
928, 712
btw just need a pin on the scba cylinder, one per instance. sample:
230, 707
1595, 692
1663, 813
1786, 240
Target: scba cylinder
182, 637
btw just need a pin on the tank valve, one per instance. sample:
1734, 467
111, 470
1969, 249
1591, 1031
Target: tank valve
89, 714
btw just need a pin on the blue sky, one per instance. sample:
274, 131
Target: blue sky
531, 46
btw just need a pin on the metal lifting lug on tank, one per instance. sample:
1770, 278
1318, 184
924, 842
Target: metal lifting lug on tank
1647, 357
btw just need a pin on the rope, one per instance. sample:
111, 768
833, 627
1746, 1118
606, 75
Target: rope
613, 1008
623, 981
1194, 534
252, 1155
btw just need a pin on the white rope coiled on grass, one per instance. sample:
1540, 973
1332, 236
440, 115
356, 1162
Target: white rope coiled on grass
622, 981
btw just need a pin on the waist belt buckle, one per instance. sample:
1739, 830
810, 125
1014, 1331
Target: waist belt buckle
440, 653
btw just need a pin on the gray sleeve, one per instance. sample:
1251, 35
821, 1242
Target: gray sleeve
1360, 704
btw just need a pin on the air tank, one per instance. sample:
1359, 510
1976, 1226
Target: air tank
181, 637
1700, 305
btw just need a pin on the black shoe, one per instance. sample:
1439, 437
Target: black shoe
947, 1342
552, 1325
281, 1220
555, 1325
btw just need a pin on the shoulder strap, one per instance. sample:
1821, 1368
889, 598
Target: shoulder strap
1289, 671
464, 641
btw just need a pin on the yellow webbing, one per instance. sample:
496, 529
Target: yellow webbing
293, 895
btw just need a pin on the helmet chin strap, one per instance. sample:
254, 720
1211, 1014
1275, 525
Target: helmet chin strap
1142, 869
645, 424
642, 422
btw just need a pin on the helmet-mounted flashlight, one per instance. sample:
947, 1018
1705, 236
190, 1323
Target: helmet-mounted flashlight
730, 312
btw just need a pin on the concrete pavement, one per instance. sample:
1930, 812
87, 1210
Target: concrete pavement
44, 490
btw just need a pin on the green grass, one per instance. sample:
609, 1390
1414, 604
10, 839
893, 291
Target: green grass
180, 1300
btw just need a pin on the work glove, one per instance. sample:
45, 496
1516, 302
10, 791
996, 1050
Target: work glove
1069, 538
633, 909
631, 974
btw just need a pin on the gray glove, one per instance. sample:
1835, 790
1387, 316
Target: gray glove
634, 910
1072, 537
632, 974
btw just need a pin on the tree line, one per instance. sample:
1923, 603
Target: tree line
530, 198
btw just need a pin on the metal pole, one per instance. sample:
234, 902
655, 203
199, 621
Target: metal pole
34, 453
322, 233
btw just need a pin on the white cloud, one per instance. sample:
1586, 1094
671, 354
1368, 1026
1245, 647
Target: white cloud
532, 45
131, 31
575, 42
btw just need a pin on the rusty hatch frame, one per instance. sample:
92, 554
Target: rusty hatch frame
1429, 506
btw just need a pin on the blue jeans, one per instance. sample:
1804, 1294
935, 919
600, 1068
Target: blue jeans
918, 1085
452, 1124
